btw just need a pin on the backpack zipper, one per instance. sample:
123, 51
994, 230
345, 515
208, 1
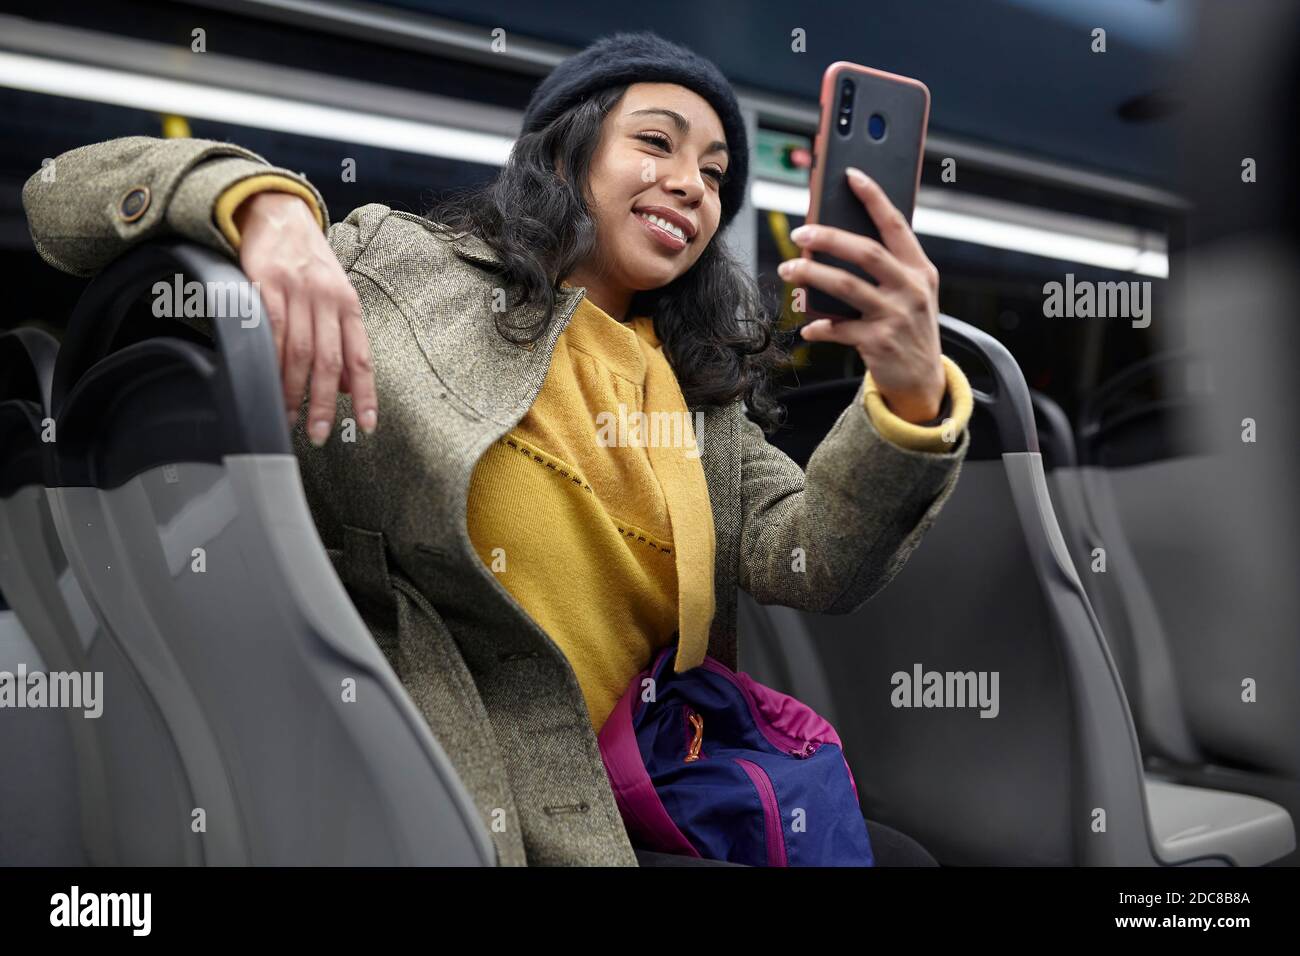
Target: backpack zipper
776, 851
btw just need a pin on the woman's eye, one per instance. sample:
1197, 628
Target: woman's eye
657, 138
663, 143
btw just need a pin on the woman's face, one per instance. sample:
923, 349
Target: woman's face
662, 152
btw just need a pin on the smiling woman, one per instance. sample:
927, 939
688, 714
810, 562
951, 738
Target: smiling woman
656, 192
579, 199
516, 569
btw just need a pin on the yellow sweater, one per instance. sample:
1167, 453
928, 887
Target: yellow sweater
604, 529
598, 520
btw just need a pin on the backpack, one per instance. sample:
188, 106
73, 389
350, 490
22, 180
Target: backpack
719, 766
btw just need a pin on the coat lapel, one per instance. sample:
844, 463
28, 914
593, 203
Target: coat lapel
496, 379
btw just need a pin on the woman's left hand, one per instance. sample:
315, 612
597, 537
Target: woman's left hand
897, 333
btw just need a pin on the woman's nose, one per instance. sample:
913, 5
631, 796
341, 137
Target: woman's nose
687, 183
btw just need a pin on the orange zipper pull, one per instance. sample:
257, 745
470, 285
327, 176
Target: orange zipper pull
693, 752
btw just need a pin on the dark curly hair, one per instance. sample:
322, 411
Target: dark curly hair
717, 332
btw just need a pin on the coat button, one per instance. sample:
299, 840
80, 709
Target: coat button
134, 203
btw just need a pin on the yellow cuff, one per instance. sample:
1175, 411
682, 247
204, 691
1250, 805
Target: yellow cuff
228, 201
940, 438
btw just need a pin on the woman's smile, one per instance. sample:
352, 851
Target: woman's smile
665, 234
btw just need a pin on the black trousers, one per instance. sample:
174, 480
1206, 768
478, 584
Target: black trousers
890, 847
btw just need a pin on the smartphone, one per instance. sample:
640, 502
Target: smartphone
875, 121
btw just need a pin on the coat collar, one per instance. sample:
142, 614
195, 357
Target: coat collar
471, 247
501, 379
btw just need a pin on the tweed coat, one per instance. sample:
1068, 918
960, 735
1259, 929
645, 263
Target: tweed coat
498, 693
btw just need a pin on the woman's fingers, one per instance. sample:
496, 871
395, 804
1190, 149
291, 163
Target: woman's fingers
274, 309
327, 364
322, 341
315, 314
358, 367
834, 281
894, 228
866, 253
854, 334
325, 345
297, 353
817, 329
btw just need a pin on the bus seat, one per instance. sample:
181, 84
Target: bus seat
39, 804
106, 752
1223, 610
1056, 777
1194, 581
179, 502
1119, 596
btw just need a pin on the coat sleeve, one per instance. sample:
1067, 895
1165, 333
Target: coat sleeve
89, 205
828, 539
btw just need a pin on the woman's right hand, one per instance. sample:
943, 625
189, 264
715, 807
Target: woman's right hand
314, 311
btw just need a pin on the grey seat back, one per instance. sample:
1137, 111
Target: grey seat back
180, 503
125, 766
1200, 590
1111, 574
39, 804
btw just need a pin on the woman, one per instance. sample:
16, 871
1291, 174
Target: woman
517, 556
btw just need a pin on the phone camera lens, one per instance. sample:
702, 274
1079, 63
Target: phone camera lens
845, 121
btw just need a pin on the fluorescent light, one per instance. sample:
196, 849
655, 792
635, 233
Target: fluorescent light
1040, 242
1014, 229
781, 197
138, 91
1143, 258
